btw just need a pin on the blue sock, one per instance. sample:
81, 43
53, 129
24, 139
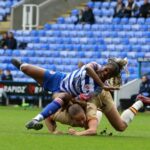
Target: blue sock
51, 108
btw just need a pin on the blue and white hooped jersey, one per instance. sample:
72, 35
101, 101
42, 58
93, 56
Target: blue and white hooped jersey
79, 82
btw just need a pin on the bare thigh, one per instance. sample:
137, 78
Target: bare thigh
64, 96
114, 118
34, 72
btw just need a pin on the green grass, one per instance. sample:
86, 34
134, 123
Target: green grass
14, 136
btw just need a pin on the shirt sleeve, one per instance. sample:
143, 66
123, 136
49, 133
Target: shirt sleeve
95, 65
91, 111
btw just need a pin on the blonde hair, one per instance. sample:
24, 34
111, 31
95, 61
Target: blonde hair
122, 65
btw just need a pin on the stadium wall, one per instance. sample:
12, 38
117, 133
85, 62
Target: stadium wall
48, 10
126, 91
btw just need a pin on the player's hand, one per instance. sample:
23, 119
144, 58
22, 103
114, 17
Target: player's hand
58, 132
72, 131
109, 88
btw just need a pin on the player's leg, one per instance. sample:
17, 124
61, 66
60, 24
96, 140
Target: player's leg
120, 123
35, 72
50, 109
116, 121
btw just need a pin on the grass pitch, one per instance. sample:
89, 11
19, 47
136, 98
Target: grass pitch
14, 136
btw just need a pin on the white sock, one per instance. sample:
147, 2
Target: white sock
39, 117
24, 64
138, 105
128, 115
99, 116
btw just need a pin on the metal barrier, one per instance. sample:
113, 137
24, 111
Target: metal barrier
30, 18
126, 91
22, 89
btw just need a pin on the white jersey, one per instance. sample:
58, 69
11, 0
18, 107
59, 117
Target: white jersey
79, 82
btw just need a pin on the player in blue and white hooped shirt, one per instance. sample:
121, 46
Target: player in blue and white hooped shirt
83, 83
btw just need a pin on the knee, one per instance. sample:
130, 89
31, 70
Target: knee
25, 68
120, 128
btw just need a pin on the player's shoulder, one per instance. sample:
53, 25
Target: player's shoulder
91, 106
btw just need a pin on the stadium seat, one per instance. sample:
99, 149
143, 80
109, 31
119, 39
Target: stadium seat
97, 5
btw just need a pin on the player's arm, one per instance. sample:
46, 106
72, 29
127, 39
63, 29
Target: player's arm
92, 129
50, 124
91, 71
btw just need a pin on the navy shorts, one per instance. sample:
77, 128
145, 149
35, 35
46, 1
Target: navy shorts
52, 81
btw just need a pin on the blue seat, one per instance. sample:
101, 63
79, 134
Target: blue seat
125, 41
90, 4
8, 52
66, 40
44, 46
95, 27
105, 54
47, 26
111, 47
106, 5
133, 40
131, 55
97, 12
51, 40
55, 26
127, 48
124, 21
41, 32
66, 61
77, 47
16, 53
60, 68
65, 33
78, 27
25, 59
43, 39
2, 52
147, 21
118, 27
127, 27
74, 61
108, 19
30, 46
74, 12
34, 33
87, 27
97, 5
26, 33
116, 20
135, 27
80, 54
140, 55
113, 4
68, 47
138, 34
120, 48
147, 55
106, 12
141, 21
116, 41
68, 20
2, 4
144, 27
136, 47
142, 41
132, 21
70, 27
60, 20
108, 40
19, 33
145, 48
